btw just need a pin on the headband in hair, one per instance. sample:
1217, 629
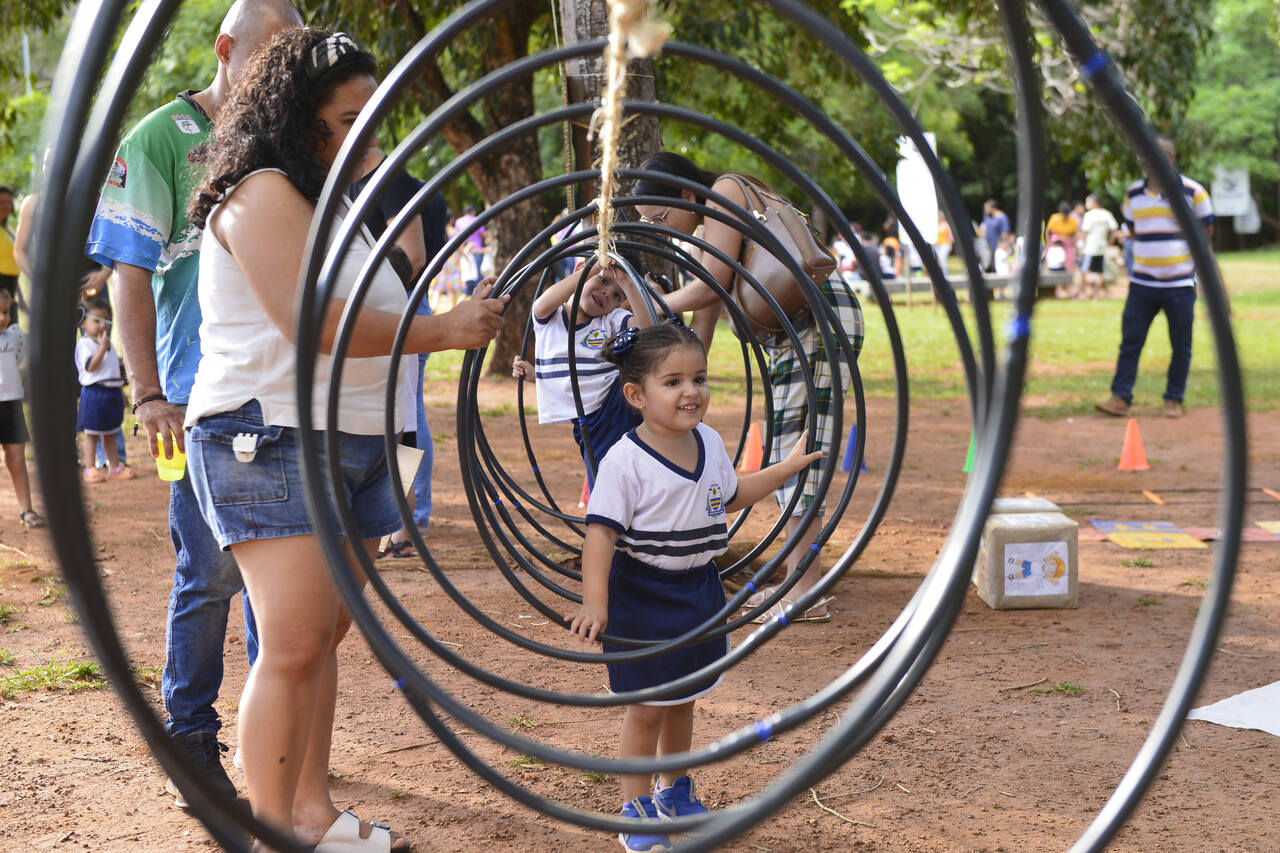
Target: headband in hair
329, 53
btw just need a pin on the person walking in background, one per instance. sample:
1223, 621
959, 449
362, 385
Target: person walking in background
942, 246
1063, 226
474, 245
8, 261
1163, 279
1098, 225
995, 224
13, 423
141, 229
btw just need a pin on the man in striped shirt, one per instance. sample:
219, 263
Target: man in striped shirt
1163, 279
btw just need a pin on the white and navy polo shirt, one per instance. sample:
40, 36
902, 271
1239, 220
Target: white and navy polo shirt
665, 516
551, 368
1161, 255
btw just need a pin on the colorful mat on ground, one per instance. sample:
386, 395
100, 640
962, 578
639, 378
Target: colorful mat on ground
1253, 709
1264, 532
1147, 534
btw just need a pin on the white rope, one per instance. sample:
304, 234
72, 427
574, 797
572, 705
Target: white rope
632, 35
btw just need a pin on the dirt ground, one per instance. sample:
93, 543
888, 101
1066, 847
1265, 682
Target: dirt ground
976, 760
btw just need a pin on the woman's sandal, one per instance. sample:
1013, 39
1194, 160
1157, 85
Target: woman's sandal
398, 550
31, 518
783, 605
344, 836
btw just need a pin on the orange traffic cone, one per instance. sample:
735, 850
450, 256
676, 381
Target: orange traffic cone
586, 493
753, 455
1132, 456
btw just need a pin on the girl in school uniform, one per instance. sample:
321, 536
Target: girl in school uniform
101, 400
655, 521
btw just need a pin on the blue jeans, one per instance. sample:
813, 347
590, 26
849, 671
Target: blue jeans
422, 480
1144, 302
204, 581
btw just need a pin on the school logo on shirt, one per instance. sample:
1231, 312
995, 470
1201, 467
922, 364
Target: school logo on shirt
715, 501
117, 174
595, 339
186, 124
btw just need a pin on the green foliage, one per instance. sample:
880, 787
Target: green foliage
1148, 600
61, 673
1139, 562
1236, 111
1065, 687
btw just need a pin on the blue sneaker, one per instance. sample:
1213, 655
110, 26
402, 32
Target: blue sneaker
642, 842
680, 800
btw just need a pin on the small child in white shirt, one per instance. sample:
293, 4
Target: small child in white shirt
101, 400
13, 423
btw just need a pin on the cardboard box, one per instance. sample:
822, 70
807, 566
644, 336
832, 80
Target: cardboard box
1028, 560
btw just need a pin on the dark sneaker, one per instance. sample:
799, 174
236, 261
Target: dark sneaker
641, 841
1114, 406
205, 751
1173, 408
680, 800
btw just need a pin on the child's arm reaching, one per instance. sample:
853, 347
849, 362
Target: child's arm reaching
557, 294
752, 487
597, 559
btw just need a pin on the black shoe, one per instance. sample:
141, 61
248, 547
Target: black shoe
205, 750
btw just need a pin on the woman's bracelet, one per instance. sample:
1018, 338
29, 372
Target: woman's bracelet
150, 398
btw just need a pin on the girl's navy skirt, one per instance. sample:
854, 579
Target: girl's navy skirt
653, 604
605, 426
101, 410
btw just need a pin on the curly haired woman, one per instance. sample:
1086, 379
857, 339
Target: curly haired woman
271, 150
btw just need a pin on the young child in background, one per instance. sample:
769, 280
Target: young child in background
101, 400
654, 524
601, 314
13, 423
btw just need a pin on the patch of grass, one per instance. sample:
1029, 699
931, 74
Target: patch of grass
1065, 687
1195, 582
596, 778
1089, 463
525, 761
526, 721
1148, 600
61, 673
399, 795
1140, 562
1080, 510
71, 617
147, 675
6, 657
52, 594
6, 612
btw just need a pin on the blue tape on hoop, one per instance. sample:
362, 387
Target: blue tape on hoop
764, 730
751, 586
782, 618
399, 684
1093, 65
1019, 328
815, 548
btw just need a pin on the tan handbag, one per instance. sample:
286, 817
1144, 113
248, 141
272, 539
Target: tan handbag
792, 230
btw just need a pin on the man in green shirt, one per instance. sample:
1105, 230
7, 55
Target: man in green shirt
141, 230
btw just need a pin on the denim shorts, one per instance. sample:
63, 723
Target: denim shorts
265, 498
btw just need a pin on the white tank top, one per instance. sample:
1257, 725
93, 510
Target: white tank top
245, 357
